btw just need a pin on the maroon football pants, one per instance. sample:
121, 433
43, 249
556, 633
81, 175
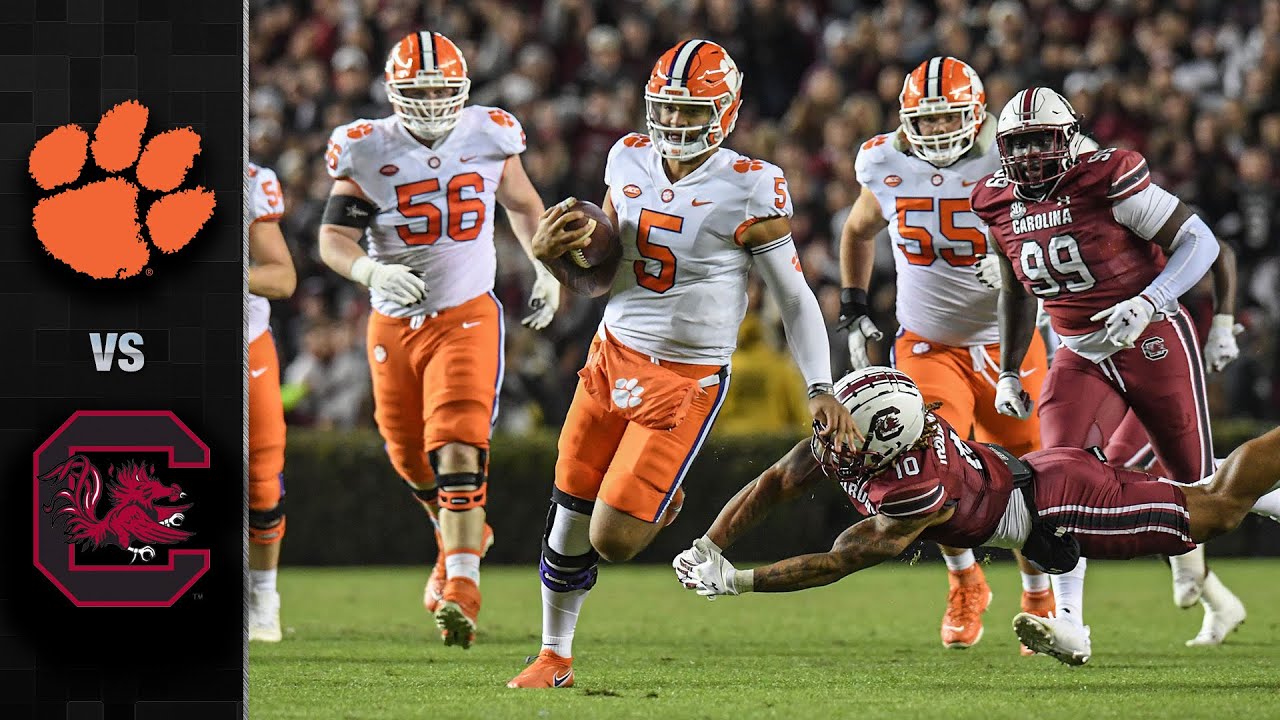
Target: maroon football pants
1160, 378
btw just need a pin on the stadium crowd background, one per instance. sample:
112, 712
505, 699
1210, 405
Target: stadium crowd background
1190, 83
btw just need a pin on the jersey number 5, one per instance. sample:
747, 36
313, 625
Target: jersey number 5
1066, 263
665, 278
459, 208
920, 246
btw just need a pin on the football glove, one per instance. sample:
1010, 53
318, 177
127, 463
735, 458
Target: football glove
853, 317
1220, 349
717, 576
1126, 320
684, 563
1011, 399
988, 271
398, 283
545, 298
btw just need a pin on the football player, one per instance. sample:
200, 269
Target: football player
422, 186
1130, 447
693, 217
271, 277
924, 481
916, 180
1109, 253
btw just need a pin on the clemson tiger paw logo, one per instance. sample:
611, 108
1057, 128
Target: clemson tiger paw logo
626, 393
93, 227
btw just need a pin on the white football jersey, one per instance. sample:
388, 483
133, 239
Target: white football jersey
266, 204
435, 204
681, 289
936, 236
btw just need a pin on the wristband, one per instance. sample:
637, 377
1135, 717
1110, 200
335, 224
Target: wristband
817, 389
744, 581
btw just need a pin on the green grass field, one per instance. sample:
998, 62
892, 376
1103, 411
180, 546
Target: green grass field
359, 646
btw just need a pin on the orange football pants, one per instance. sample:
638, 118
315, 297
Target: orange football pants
964, 381
435, 381
632, 468
266, 425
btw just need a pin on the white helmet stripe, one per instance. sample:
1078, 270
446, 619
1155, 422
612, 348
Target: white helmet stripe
933, 78
680, 66
427, 48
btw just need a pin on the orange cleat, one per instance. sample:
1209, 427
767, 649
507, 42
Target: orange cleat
548, 670
968, 599
1040, 604
433, 593
458, 612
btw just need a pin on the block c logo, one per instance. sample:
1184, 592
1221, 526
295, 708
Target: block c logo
139, 511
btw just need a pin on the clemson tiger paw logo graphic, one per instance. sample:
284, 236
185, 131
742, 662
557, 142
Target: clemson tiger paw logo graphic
627, 392
93, 227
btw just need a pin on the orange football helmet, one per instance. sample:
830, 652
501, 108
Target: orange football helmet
940, 86
695, 73
421, 64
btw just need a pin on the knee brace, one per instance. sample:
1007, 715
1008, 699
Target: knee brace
560, 572
459, 491
266, 527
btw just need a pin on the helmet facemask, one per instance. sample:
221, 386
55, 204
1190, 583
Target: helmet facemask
852, 462
426, 116
944, 148
1035, 157
685, 142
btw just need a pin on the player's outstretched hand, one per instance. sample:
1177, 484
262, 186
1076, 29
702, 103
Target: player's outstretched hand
545, 298
1220, 349
398, 283
988, 271
698, 553
834, 419
1011, 399
551, 239
1126, 320
860, 331
717, 576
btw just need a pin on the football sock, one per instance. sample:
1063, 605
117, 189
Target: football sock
571, 536
1190, 564
1038, 582
1068, 593
462, 563
958, 563
263, 581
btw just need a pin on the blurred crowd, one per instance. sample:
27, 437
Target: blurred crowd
1190, 83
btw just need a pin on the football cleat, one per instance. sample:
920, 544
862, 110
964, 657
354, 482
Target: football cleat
548, 670
433, 593
1066, 641
968, 599
1036, 603
458, 612
1219, 622
264, 616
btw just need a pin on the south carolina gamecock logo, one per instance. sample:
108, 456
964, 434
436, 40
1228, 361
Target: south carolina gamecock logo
107, 509
1154, 348
885, 424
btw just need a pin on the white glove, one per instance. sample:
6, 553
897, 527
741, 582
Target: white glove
1011, 399
397, 283
988, 271
1127, 320
545, 298
1221, 348
684, 563
717, 576
860, 332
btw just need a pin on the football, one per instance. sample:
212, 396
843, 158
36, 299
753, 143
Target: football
589, 270
603, 238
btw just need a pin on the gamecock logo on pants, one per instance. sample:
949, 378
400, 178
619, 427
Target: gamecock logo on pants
107, 508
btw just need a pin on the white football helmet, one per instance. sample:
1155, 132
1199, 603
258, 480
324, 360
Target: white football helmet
1038, 135
888, 416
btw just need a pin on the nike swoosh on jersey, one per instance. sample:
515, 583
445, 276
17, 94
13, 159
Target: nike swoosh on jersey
700, 203
468, 158
469, 325
967, 183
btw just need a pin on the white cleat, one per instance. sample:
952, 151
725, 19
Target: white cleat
1066, 641
264, 617
1188, 577
1220, 622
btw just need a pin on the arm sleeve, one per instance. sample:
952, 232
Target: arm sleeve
1194, 250
1145, 211
801, 316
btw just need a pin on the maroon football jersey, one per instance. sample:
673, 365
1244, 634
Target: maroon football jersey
1068, 249
947, 471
